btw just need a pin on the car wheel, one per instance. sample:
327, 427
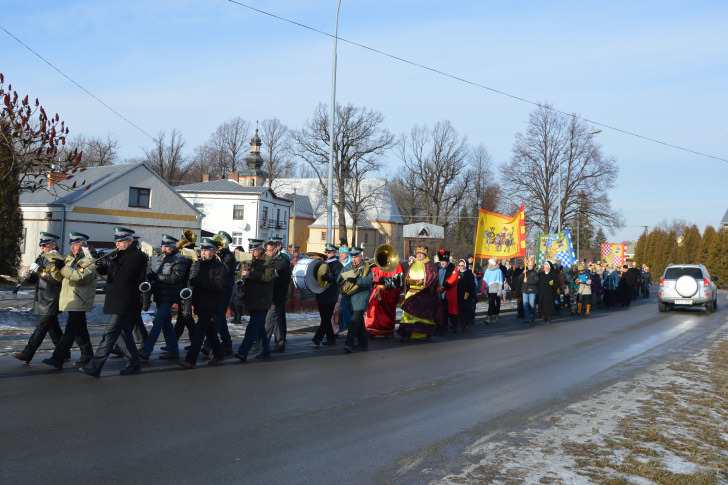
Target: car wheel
715, 304
661, 306
710, 307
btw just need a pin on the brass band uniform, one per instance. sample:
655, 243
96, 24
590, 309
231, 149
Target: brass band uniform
208, 280
356, 300
125, 272
327, 299
45, 303
78, 290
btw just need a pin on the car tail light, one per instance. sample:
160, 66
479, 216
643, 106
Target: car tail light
706, 283
662, 281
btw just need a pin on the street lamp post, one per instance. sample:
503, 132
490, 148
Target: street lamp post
571, 145
330, 198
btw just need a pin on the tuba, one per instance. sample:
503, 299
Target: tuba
386, 258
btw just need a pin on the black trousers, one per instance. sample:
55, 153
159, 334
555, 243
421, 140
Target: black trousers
204, 328
326, 311
357, 331
182, 323
48, 324
76, 329
118, 329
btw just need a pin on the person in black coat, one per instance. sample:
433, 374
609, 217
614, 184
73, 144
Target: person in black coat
466, 294
167, 282
327, 299
547, 284
208, 280
125, 271
220, 318
517, 287
45, 304
275, 320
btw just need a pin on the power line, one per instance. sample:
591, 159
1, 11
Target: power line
74, 82
473, 83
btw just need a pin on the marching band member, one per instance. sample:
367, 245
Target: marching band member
258, 298
169, 279
220, 317
356, 302
421, 304
327, 299
45, 304
275, 323
78, 290
209, 277
125, 271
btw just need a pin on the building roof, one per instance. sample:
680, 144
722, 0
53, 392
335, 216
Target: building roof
724, 221
221, 186
303, 206
88, 181
381, 207
423, 230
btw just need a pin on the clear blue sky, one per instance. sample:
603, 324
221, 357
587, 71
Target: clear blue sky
655, 68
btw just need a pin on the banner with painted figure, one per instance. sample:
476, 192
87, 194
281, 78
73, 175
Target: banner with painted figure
613, 253
500, 236
556, 247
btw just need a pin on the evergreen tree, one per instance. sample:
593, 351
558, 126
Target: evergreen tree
689, 248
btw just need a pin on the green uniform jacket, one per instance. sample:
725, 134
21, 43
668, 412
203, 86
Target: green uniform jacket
259, 284
78, 290
359, 299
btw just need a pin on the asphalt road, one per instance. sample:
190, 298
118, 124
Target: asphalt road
398, 413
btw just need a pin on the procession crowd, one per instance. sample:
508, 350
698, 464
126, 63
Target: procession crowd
209, 281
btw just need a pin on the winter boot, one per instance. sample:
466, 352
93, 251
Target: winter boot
578, 308
588, 307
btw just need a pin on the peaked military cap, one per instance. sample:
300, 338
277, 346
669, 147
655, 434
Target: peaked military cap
355, 251
122, 233
255, 244
208, 243
168, 240
330, 248
226, 236
47, 238
74, 237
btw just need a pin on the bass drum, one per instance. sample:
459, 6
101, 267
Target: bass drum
307, 274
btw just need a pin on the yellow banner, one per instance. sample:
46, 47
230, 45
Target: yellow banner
500, 236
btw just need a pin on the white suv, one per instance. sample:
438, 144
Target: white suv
687, 285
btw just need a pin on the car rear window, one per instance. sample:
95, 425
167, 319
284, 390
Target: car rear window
675, 273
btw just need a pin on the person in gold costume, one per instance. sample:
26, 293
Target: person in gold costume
421, 306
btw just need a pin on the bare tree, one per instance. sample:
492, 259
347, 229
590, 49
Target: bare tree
166, 158
275, 139
225, 150
359, 141
557, 158
483, 190
96, 151
434, 161
406, 192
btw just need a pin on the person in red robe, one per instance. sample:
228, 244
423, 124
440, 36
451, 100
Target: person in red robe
381, 314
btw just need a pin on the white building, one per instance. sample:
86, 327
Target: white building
130, 195
242, 211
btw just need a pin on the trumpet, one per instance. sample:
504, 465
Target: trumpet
110, 255
386, 258
146, 289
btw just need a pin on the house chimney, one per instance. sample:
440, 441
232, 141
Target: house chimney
233, 176
55, 177
206, 177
